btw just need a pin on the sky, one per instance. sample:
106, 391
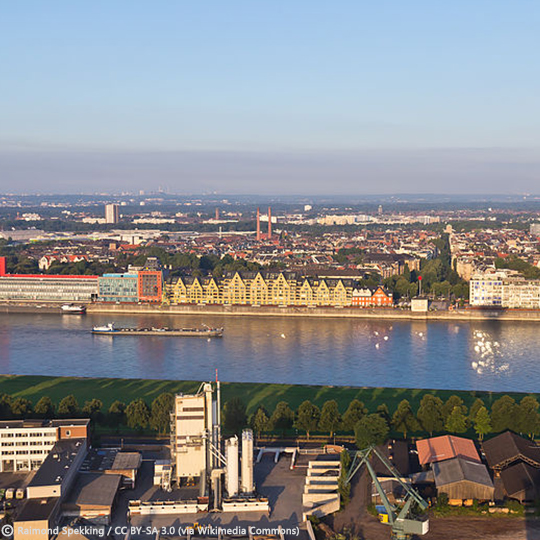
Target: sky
281, 97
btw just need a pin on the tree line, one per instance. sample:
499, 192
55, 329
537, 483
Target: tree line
433, 416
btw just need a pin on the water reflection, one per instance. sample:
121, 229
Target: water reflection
485, 356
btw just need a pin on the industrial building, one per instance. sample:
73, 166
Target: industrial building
199, 454
462, 479
45, 287
446, 447
517, 461
25, 444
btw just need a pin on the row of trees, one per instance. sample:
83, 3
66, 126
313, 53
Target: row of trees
432, 416
136, 415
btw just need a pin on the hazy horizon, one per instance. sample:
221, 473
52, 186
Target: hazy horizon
247, 97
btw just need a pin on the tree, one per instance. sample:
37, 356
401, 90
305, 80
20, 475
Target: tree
259, 421
384, 412
5, 406
330, 417
448, 407
21, 407
430, 414
160, 417
344, 487
354, 413
528, 419
116, 415
503, 414
44, 408
234, 413
307, 418
371, 430
137, 414
475, 407
482, 423
404, 419
457, 421
92, 409
68, 407
282, 418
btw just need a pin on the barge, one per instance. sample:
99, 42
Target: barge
111, 330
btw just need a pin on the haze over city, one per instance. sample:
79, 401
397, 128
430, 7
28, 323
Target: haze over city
288, 98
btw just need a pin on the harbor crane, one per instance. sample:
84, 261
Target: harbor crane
403, 521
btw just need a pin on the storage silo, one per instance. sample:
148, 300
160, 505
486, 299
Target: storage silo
231, 473
247, 462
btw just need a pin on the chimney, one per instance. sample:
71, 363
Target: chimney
2, 266
269, 223
217, 214
258, 225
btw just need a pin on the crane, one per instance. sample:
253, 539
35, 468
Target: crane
403, 521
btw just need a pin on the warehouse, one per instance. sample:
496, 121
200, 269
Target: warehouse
462, 479
508, 448
446, 447
521, 482
93, 497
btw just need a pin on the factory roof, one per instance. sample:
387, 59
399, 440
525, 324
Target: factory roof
521, 481
37, 509
502, 450
58, 462
446, 447
456, 470
94, 489
127, 460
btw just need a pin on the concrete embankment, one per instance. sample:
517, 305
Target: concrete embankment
275, 311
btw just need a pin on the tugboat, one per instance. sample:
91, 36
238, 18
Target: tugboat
73, 309
111, 330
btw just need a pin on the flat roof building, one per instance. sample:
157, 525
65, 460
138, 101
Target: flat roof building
25, 444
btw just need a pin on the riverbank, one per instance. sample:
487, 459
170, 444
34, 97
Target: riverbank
33, 387
513, 315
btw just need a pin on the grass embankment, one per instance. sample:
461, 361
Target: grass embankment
33, 387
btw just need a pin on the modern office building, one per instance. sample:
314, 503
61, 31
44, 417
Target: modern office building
118, 288
112, 214
46, 288
133, 286
25, 444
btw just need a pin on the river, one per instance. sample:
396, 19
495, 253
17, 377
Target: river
492, 355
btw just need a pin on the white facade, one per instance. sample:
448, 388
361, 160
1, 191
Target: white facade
112, 214
499, 290
191, 433
231, 471
25, 449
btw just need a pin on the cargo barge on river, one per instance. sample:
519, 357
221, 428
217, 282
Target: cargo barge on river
111, 330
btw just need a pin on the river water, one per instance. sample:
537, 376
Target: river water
494, 355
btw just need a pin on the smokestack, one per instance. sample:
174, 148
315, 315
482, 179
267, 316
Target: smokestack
217, 214
258, 225
269, 223
2, 266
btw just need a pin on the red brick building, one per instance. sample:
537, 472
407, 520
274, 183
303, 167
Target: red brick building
372, 298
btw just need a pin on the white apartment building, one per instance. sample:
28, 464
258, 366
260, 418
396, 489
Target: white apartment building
500, 290
24, 444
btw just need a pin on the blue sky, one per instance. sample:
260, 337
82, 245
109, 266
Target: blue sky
355, 95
